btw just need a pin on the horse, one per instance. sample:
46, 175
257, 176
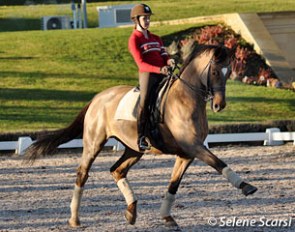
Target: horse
184, 128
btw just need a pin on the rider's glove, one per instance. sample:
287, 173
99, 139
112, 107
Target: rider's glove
171, 63
165, 70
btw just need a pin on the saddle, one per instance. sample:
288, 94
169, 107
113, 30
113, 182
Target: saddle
127, 109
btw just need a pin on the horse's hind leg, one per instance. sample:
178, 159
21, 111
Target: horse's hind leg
209, 158
119, 171
90, 152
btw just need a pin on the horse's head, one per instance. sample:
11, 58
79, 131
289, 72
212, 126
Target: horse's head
205, 71
217, 75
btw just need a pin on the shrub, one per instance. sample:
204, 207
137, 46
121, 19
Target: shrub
247, 65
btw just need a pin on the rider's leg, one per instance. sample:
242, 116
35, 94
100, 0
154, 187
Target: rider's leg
148, 84
145, 83
142, 112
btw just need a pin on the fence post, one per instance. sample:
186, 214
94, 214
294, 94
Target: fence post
206, 143
22, 144
118, 147
270, 141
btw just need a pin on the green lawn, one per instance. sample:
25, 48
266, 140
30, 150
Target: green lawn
46, 77
255, 104
29, 17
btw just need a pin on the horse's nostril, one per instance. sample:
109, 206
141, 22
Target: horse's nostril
216, 107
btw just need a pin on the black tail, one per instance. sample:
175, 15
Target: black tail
49, 143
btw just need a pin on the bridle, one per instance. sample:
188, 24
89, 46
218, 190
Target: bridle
207, 91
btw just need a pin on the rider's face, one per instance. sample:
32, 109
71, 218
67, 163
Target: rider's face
144, 21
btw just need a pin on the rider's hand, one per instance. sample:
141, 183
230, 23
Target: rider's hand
165, 70
171, 63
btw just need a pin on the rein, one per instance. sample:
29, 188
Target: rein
208, 92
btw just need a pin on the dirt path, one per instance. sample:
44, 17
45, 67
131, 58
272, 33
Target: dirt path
37, 198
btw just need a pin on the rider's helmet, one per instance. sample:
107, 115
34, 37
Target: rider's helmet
140, 10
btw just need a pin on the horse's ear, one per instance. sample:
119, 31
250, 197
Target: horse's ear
232, 51
217, 52
220, 53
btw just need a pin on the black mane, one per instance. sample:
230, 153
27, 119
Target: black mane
198, 49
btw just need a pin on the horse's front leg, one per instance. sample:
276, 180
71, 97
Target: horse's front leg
119, 171
209, 158
180, 166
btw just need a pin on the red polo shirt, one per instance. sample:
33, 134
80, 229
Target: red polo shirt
149, 54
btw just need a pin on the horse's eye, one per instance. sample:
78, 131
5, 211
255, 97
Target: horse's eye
214, 73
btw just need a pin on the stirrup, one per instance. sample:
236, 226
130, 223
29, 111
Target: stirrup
144, 143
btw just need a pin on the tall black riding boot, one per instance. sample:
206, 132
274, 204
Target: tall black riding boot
143, 143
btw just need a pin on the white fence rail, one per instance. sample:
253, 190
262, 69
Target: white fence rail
271, 137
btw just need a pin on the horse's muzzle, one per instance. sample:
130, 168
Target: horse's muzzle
218, 102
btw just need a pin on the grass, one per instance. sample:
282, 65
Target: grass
48, 76
255, 104
29, 17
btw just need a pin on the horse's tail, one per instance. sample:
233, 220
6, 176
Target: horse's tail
48, 143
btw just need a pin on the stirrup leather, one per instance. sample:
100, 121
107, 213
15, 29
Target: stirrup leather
144, 143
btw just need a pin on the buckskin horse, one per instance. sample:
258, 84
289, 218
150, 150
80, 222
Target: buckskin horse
183, 130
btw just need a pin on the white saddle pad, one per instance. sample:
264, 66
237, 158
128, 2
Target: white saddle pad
127, 106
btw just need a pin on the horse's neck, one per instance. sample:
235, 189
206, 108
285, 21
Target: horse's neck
193, 80
190, 97
196, 71
186, 105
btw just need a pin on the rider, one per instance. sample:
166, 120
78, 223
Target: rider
153, 64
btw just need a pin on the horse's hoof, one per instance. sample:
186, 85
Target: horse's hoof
74, 223
170, 222
130, 213
248, 189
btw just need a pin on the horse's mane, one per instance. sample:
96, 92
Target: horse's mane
198, 49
